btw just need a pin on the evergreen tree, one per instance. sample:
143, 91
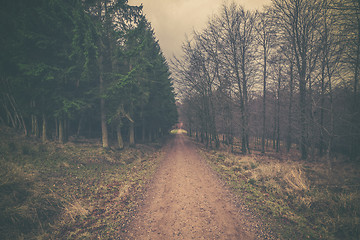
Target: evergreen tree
62, 58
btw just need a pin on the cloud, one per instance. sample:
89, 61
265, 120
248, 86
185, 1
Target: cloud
173, 19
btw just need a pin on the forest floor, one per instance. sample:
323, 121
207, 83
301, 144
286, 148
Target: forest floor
187, 200
76, 190
171, 189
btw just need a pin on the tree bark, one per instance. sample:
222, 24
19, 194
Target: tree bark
104, 132
264, 103
278, 113
61, 130
289, 133
303, 142
44, 132
143, 130
355, 116
132, 134
119, 137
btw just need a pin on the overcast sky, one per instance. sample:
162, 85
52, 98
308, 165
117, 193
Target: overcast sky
173, 19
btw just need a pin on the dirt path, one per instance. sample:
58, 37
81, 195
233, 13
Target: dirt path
187, 201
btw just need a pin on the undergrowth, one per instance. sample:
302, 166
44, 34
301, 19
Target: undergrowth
300, 200
70, 191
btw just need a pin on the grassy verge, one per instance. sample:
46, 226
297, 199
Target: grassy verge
71, 191
297, 200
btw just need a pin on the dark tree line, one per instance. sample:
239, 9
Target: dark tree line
287, 75
85, 69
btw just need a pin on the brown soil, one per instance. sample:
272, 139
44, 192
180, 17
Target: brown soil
186, 200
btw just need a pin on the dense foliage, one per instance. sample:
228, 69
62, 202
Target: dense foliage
83, 69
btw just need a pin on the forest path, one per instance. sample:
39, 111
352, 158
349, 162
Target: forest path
186, 200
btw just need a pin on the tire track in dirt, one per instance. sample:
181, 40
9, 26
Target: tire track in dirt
187, 201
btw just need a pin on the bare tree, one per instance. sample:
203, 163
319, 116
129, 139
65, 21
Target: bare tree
246, 64
198, 76
299, 20
349, 25
238, 39
266, 39
330, 58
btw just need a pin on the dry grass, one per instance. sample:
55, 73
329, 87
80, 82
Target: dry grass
76, 209
303, 199
287, 175
71, 191
25, 202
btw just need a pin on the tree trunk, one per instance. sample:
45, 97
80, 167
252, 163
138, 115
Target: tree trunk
311, 125
17, 118
354, 151
322, 106
66, 130
119, 137
10, 118
289, 140
150, 135
303, 142
143, 130
56, 128
246, 113
34, 120
331, 131
80, 125
34, 125
104, 132
278, 114
264, 104
61, 130
274, 130
132, 134
213, 122
44, 133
